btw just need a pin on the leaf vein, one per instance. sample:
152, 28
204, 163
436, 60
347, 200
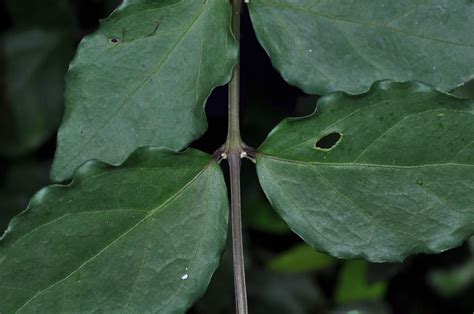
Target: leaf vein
152, 212
372, 25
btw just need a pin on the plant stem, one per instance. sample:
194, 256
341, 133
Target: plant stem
234, 147
237, 245
234, 141
233, 133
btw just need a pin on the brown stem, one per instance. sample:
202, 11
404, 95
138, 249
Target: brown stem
233, 149
237, 245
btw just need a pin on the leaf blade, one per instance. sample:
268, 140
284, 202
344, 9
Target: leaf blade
328, 46
398, 182
352, 285
98, 246
142, 79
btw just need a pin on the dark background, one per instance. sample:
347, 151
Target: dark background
38, 39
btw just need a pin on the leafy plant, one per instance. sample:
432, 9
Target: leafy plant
379, 175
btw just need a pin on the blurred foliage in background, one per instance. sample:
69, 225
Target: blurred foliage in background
38, 39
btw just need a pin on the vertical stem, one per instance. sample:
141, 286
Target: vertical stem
233, 134
234, 140
237, 245
233, 148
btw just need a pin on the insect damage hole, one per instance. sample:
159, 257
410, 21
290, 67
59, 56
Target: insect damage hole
328, 141
114, 40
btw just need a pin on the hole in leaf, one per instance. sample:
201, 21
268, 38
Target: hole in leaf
328, 141
114, 40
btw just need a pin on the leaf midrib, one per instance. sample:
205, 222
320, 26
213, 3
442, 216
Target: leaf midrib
395, 124
356, 165
152, 213
362, 210
126, 100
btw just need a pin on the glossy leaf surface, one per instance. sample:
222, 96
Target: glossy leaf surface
144, 237
142, 79
379, 175
323, 46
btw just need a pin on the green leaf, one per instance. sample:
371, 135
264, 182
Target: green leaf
451, 282
143, 237
399, 180
353, 287
323, 46
300, 258
143, 79
35, 64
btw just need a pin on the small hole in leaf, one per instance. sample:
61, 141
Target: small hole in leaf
114, 40
328, 141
